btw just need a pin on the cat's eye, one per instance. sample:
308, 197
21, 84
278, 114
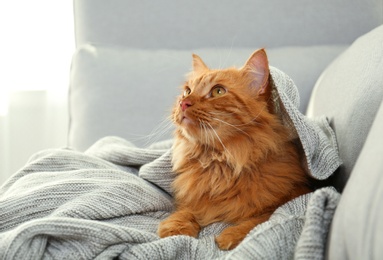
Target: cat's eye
187, 91
217, 91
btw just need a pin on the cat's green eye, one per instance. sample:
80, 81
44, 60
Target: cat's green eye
217, 91
187, 91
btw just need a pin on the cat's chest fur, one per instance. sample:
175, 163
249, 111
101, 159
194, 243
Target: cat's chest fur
212, 196
205, 183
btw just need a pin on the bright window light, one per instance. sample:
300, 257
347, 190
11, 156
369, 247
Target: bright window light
36, 46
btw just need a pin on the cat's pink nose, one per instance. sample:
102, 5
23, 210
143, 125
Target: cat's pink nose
185, 104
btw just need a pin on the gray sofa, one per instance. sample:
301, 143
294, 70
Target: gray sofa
105, 197
132, 55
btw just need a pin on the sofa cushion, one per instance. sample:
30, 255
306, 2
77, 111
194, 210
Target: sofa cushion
130, 92
357, 227
349, 93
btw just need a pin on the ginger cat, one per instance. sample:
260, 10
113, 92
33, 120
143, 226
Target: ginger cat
234, 160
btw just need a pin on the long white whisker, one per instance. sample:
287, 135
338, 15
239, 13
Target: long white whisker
219, 139
234, 126
159, 131
250, 122
222, 113
203, 131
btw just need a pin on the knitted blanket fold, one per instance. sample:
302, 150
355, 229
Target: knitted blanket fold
108, 201
316, 136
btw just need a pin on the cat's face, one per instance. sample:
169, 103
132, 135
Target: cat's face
217, 105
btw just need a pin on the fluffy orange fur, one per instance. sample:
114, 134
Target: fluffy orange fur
234, 160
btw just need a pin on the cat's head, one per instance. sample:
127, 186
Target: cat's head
217, 105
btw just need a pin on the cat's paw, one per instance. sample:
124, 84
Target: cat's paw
229, 238
173, 227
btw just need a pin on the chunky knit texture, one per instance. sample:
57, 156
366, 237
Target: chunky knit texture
316, 136
108, 202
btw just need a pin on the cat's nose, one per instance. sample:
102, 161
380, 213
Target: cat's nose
185, 104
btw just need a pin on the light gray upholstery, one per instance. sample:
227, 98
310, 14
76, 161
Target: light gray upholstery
349, 93
357, 226
170, 24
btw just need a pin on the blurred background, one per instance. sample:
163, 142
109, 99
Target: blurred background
37, 43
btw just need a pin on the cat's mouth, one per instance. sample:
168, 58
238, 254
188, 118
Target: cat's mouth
186, 120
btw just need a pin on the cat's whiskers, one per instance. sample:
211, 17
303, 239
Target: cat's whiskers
219, 139
253, 120
228, 114
203, 131
222, 113
234, 126
159, 131
207, 134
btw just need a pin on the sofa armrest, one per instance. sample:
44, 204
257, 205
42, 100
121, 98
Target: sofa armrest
356, 231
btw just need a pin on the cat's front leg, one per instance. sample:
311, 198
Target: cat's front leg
230, 237
181, 222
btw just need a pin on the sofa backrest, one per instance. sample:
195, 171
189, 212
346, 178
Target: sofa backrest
170, 24
132, 55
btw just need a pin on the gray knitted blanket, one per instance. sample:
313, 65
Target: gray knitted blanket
107, 202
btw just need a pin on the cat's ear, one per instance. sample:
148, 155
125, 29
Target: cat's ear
198, 64
258, 67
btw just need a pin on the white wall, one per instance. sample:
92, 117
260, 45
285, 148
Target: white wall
36, 120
